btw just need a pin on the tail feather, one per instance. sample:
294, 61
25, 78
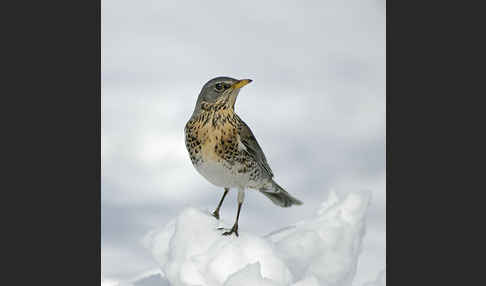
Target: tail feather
279, 196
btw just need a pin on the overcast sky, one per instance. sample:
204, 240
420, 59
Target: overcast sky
316, 106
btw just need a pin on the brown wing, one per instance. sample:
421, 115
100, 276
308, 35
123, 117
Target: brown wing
251, 144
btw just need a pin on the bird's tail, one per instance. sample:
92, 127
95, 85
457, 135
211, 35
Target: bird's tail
279, 196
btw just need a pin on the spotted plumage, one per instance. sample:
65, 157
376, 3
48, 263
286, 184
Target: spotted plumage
224, 150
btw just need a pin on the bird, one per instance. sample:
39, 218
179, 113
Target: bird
223, 149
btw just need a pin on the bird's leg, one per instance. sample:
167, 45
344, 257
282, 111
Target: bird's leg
216, 211
241, 198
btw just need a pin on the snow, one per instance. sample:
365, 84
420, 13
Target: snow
249, 275
380, 279
152, 280
321, 250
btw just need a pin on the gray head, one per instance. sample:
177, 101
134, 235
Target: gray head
220, 91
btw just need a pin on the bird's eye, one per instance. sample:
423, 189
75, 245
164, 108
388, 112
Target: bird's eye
219, 87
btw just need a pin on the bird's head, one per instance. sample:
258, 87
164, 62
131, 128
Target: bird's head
219, 92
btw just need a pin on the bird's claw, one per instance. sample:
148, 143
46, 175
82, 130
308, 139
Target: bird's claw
215, 214
234, 230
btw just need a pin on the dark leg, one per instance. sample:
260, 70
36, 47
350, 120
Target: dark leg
235, 226
216, 211
241, 198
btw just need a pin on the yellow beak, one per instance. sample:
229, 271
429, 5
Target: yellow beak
241, 83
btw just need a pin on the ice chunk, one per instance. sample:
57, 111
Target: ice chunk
327, 246
322, 250
191, 251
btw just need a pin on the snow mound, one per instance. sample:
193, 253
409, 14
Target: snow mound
322, 250
380, 279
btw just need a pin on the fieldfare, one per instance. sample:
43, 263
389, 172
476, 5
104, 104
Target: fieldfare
223, 149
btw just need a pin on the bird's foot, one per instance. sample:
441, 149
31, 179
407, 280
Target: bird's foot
215, 214
234, 230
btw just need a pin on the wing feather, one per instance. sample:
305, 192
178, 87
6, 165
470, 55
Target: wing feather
252, 147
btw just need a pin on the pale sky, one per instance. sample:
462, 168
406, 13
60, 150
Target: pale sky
316, 106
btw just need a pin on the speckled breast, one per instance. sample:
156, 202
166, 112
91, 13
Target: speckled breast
215, 150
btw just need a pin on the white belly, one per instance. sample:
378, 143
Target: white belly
221, 176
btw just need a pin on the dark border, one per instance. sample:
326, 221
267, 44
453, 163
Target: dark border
51, 110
